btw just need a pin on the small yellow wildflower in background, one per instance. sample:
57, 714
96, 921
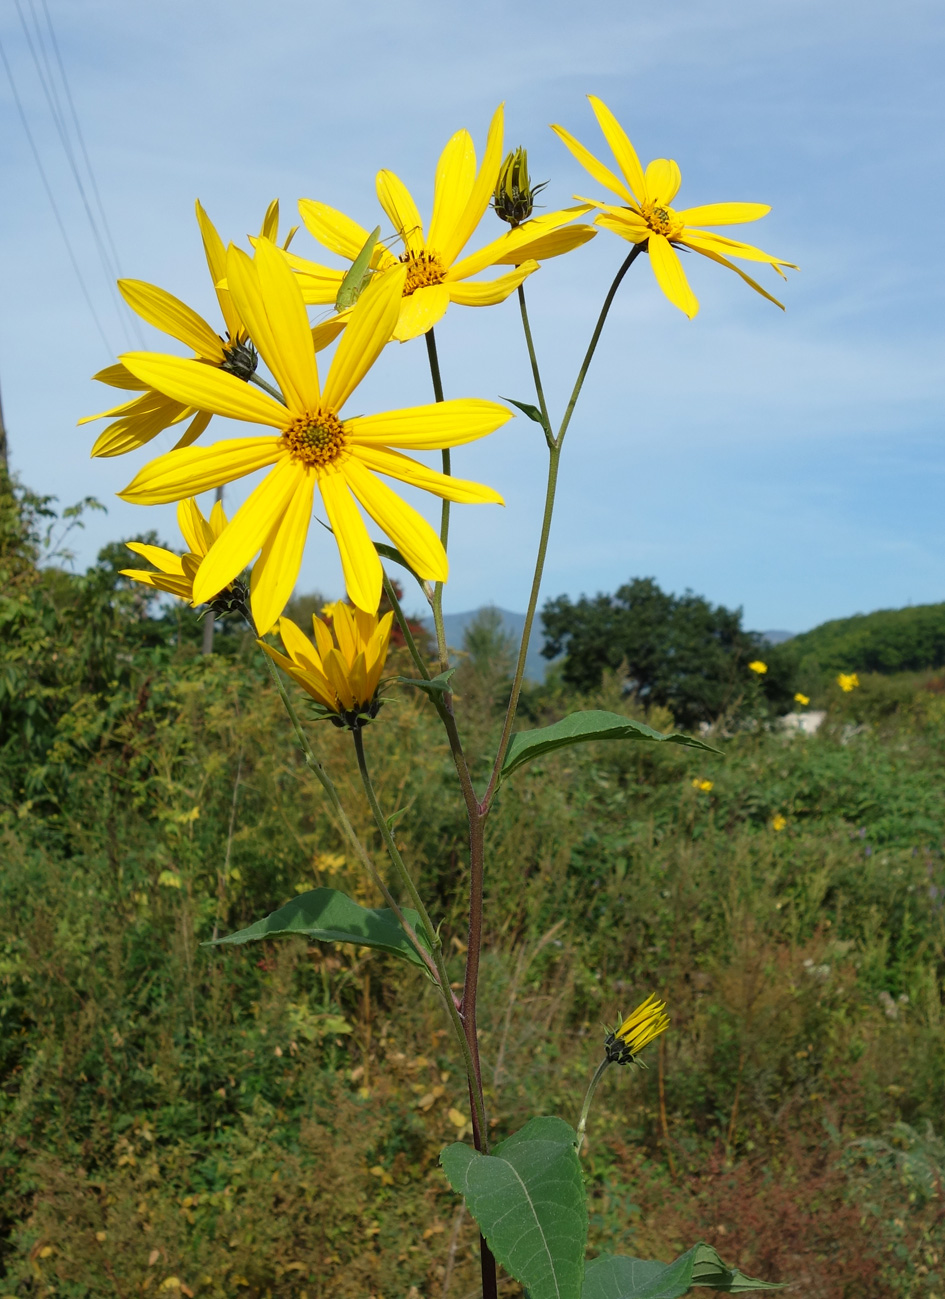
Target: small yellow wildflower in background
704, 785
343, 680
624, 1044
645, 217
778, 822
758, 666
848, 681
803, 700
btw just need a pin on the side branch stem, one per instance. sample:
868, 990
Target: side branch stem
267, 387
437, 601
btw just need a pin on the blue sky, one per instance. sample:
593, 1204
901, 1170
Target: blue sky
792, 463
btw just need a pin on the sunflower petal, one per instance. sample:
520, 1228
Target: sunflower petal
621, 148
327, 331
300, 648
270, 302
397, 202
118, 376
723, 261
481, 192
626, 224
248, 530
552, 244
277, 568
382, 460
663, 179
603, 175
136, 430
173, 317
705, 240
486, 293
165, 561
179, 586
670, 275
193, 430
332, 229
194, 528
359, 561
368, 331
205, 387
215, 254
196, 469
723, 214
431, 428
408, 530
455, 177
421, 311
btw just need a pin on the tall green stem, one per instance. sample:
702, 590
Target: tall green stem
536, 373
404, 626
589, 1096
475, 1090
437, 602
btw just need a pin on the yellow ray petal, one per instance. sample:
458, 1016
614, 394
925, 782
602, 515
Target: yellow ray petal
368, 331
325, 333
298, 644
421, 311
455, 177
626, 224
218, 519
359, 561
384, 461
397, 202
248, 529
446, 424
332, 229
117, 376
137, 430
163, 560
723, 214
343, 625
277, 568
603, 175
196, 469
270, 223
173, 317
337, 672
323, 641
313, 683
150, 402
723, 261
408, 530
179, 586
486, 293
215, 254
621, 148
552, 244
705, 240
270, 302
663, 179
516, 245
670, 275
193, 430
481, 193
194, 528
206, 388
317, 289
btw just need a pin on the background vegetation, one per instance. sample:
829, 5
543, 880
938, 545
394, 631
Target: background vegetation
266, 1121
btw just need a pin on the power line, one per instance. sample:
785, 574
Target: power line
47, 81
52, 202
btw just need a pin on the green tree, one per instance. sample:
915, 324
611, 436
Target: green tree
677, 651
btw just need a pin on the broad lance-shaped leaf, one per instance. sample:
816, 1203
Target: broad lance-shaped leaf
579, 727
333, 917
528, 1199
438, 685
613, 1277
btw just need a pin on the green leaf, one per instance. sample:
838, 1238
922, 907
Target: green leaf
531, 411
528, 1199
333, 917
613, 1277
438, 685
591, 725
388, 552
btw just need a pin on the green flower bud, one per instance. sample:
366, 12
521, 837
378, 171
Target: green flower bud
514, 195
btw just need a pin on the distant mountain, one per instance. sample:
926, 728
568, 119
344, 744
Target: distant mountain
513, 624
776, 637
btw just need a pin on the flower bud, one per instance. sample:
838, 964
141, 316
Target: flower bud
514, 195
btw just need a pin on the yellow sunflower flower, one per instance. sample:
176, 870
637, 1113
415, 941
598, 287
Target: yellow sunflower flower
176, 573
758, 667
624, 1044
342, 678
848, 681
645, 216
436, 275
313, 446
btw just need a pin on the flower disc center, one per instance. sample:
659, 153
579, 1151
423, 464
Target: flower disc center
423, 269
317, 440
662, 220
